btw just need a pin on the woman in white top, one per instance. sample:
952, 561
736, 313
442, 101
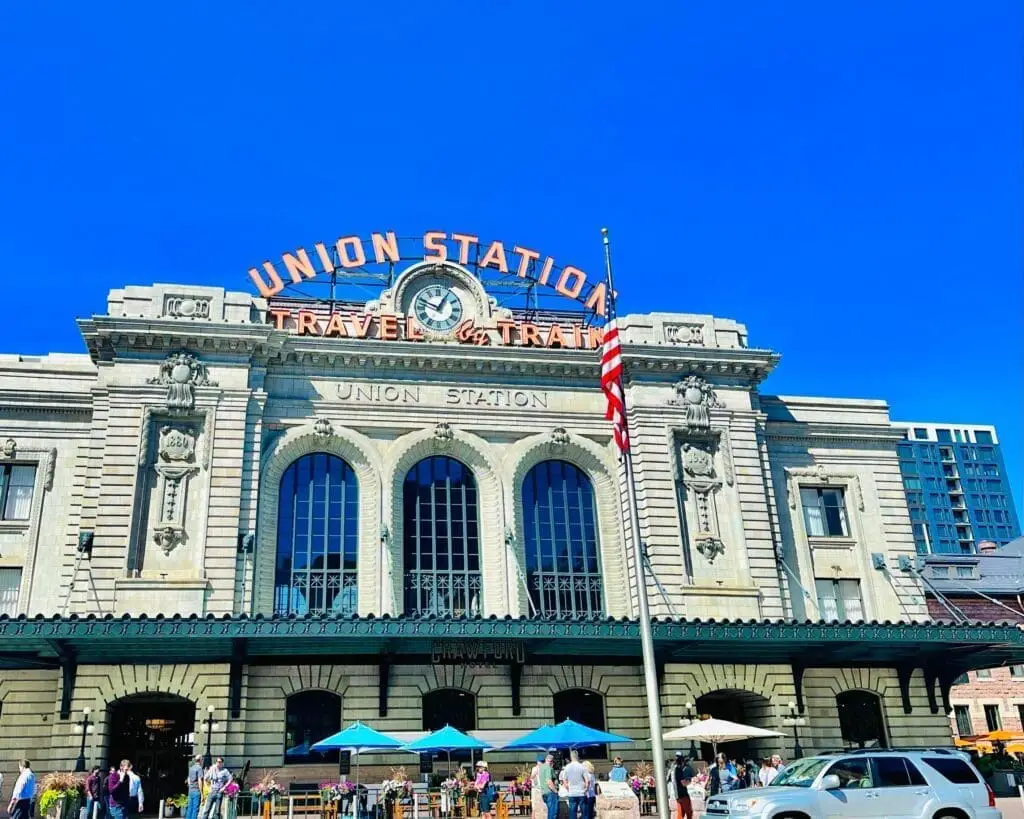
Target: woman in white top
767, 773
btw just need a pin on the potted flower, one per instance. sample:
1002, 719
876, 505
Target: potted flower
266, 792
175, 803
61, 795
396, 790
229, 804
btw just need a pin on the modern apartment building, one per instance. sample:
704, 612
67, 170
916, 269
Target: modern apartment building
957, 489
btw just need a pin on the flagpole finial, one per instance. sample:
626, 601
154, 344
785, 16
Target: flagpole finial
604, 235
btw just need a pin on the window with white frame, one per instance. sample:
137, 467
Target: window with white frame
839, 600
10, 586
16, 484
824, 512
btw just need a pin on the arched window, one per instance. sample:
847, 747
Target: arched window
450, 706
586, 707
317, 537
860, 720
309, 717
560, 528
441, 539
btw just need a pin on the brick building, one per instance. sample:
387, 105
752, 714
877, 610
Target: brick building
983, 587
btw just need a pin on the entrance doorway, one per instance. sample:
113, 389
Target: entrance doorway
746, 708
155, 732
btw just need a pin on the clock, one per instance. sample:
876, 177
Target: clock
437, 307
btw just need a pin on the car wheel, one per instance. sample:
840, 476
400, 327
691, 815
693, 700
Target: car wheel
795, 816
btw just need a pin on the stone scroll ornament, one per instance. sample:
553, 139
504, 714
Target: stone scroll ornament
696, 395
181, 373
177, 463
700, 478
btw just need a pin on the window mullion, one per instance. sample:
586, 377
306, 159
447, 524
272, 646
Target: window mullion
327, 528
556, 572
294, 528
537, 551
310, 488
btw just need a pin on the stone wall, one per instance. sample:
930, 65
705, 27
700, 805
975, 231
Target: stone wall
30, 724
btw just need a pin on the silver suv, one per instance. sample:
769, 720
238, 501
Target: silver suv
933, 784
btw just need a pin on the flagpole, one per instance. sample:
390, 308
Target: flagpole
646, 638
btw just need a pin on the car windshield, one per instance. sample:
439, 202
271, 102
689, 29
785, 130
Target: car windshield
800, 774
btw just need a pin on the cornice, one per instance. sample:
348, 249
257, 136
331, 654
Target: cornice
802, 430
108, 337
38, 401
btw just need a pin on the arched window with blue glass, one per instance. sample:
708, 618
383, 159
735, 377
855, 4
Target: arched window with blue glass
317, 537
563, 573
441, 539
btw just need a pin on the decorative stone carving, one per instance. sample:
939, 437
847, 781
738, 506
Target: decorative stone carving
725, 444
176, 463
510, 537
698, 460
689, 334
709, 546
186, 307
322, 428
696, 395
443, 434
181, 373
10, 448
559, 437
176, 444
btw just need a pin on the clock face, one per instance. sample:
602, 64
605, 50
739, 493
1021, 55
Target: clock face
437, 307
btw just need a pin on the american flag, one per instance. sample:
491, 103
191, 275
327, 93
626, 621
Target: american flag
611, 384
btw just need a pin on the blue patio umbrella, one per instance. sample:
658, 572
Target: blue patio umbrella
566, 734
359, 739
446, 740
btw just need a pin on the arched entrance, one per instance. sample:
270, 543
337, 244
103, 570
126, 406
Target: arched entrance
861, 720
746, 708
155, 732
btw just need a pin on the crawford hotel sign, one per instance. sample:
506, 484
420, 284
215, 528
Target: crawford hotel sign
439, 297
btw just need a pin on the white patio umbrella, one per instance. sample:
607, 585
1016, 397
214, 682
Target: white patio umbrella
718, 730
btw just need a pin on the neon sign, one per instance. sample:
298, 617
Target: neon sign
354, 253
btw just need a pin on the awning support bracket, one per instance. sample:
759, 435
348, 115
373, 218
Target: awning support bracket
903, 675
69, 675
239, 651
383, 679
930, 677
798, 685
516, 674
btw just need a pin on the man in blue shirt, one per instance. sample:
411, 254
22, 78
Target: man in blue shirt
24, 792
618, 771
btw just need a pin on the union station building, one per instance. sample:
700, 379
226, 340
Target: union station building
276, 516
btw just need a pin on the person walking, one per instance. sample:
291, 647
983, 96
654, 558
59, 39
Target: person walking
574, 777
482, 783
549, 785
777, 763
136, 798
195, 787
682, 776
767, 774
618, 771
219, 777
24, 793
118, 786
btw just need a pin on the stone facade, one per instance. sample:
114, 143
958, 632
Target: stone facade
159, 462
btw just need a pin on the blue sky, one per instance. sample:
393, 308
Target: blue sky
845, 178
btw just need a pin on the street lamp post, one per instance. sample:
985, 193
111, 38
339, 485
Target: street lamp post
211, 726
83, 727
688, 719
794, 719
